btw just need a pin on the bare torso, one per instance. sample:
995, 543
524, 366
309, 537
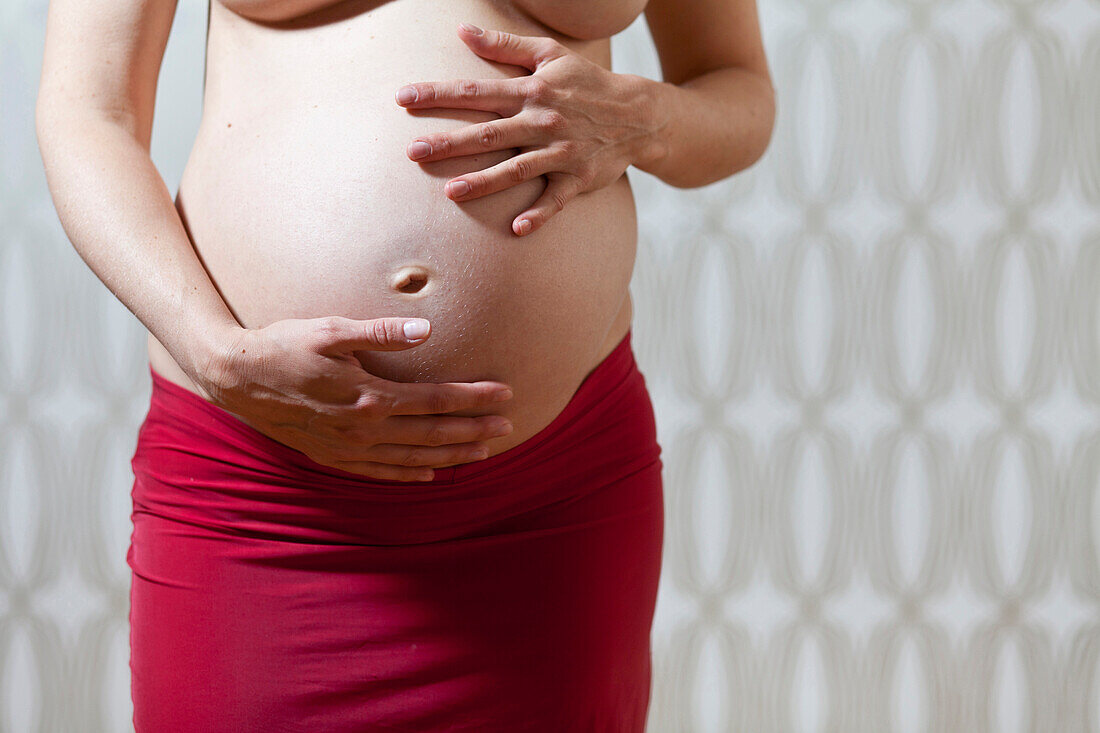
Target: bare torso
301, 202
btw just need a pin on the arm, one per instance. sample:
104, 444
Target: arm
295, 380
713, 114
94, 118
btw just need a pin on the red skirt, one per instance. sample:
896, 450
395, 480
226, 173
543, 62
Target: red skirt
271, 593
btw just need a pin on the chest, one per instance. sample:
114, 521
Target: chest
582, 19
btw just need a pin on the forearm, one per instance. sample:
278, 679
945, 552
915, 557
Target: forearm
119, 216
705, 129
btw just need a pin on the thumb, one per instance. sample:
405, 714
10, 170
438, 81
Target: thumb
341, 334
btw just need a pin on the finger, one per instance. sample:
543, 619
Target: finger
510, 132
505, 174
436, 430
530, 52
424, 455
503, 96
339, 334
385, 472
562, 188
432, 398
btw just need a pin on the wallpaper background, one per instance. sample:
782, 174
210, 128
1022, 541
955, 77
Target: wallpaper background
875, 359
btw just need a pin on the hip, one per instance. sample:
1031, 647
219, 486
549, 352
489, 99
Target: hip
195, 462
511, 594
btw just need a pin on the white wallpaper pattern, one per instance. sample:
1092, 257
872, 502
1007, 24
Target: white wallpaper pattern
874, 356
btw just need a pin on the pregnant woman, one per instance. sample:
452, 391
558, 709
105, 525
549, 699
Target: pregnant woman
399, 470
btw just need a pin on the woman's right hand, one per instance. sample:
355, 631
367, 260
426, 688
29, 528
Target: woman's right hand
297, 381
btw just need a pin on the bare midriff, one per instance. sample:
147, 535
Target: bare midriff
301, 202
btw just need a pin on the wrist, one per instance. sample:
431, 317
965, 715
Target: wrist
214, 353
651, 115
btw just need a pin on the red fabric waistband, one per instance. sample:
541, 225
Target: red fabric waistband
197, 462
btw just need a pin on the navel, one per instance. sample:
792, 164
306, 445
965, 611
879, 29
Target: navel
410, 279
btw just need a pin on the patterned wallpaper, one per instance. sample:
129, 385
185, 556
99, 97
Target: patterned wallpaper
875, 360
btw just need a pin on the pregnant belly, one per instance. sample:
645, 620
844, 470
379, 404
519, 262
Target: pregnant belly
301, 202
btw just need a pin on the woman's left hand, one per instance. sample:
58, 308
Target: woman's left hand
581, 124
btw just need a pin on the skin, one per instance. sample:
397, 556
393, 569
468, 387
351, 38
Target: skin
581, 122
298, 380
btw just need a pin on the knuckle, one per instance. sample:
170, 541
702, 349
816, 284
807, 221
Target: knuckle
538, 89
436, 435
560, 199
372, 405
467, 89
488, 135
551, 120
568, 148
440, 402
412, 457
328, 326
519, 170
380, 332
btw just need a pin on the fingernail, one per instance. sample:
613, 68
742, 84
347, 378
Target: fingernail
470, 28
479, 454
501, 395
407, 95
419, 149
524, 226
502, 429
416, 328
458, 188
